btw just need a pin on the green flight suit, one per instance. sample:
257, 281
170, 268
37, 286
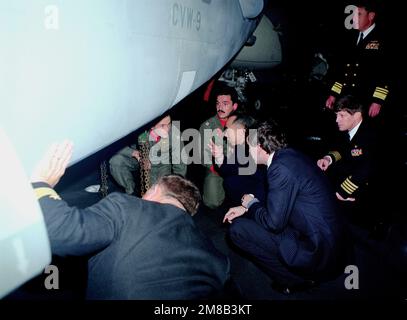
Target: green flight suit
213, 192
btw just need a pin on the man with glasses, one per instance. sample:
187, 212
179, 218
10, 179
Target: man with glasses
155, 153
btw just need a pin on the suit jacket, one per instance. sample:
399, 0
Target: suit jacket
236, 183
357, 160
363, 69
140, 249
300, 213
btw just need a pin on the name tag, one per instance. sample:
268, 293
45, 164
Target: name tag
373, 45
356, 152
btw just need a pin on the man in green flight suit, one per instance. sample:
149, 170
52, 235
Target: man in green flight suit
164, 157
226, 104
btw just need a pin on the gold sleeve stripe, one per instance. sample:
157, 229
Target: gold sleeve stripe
337, 87
380, 93
337, 156
383, 90
45, 191
346, 189
349, 186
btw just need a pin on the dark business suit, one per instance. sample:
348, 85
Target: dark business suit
237, 181
140, 249
296, 236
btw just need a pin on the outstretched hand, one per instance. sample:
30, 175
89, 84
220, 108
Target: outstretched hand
234, 213
52, 166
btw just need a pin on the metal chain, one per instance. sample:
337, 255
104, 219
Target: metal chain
144, 167
103, 179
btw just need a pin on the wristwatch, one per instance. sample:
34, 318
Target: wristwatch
249, 194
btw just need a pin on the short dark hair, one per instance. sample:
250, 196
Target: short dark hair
183, 190
270, 136
349, 104
368, 5
225, 90
244, 119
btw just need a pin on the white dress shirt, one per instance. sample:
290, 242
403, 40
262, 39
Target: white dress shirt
353, 131
269, 160
366, 32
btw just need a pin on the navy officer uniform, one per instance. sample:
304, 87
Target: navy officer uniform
356, 173
363, 69
356, 161
297, 235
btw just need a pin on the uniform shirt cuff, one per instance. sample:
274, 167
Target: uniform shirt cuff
40, 184
251, 202
42, 189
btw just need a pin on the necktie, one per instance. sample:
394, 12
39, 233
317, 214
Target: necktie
360, 39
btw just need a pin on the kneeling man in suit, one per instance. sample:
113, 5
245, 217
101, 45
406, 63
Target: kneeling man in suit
146, 248
296, 236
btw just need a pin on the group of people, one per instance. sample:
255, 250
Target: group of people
287, 214
359, 96
283, 214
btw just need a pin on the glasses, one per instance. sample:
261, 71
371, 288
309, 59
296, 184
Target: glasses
164, 125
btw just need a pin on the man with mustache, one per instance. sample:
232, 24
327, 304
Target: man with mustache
226, 104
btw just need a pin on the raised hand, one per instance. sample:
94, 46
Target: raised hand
53, 164
233, 213
217, 152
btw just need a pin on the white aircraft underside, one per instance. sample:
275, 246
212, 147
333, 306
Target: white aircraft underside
93, 71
